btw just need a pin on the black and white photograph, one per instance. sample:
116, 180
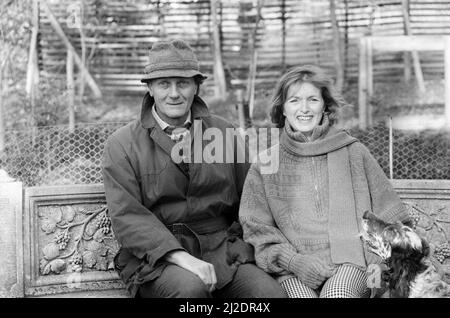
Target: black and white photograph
233, 155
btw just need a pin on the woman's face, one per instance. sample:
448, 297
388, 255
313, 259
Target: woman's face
303, 107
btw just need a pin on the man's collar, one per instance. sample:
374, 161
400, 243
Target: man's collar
163, 124
198, 109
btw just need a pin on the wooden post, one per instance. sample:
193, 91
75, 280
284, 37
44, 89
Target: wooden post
346, 42
2, 122
283, 35
240, 106
32, 67
252, 77
254, 61
32, 74
447, 80
391, 149
414, 53
70, 91
219, 73
369, 78
83, 54
362, 86
418, 71
337, 52
59, 31
407, 66
406, 55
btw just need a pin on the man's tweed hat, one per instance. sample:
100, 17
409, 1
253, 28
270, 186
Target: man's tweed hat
173, 58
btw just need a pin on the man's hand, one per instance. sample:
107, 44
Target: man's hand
200, 268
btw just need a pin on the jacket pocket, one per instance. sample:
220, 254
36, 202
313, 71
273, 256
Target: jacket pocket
152, 172
151, 184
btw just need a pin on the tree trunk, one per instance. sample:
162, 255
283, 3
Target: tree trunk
337, 47
219, 73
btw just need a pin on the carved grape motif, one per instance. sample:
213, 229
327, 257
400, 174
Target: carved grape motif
62, 238
432, 225
104, 223
442, 252
78, 238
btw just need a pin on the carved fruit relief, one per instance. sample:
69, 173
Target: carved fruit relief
75, 238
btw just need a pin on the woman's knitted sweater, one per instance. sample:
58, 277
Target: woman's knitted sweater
287, 213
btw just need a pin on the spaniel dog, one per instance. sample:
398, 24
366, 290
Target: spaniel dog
410, 272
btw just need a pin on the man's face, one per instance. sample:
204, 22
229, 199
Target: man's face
173, 97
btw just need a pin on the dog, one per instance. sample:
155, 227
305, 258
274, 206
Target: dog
410, 272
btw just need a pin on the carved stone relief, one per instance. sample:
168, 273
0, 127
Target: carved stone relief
75, 238
431, 219
70, 245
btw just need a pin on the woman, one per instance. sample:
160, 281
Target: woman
303, 219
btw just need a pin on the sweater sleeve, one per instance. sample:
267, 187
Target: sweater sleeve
385, 201
273, 252
135, 227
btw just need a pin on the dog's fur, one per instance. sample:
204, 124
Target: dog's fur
410, 272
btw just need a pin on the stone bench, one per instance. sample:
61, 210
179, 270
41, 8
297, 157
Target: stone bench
57, 241
64, 245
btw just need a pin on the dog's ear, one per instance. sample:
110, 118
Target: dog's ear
368, 215
408, 222
425, 247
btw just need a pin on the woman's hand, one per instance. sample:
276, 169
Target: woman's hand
311, 270
205, 271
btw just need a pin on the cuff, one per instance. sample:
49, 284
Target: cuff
156, 254
397, 212
285, 258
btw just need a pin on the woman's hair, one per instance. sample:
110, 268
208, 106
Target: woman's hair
310, 74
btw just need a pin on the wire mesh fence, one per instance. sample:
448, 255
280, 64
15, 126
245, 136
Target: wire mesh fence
54, 155
415, 155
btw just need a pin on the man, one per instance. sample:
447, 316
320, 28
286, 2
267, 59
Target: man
177, 222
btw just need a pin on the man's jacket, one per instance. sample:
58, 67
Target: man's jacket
158, 206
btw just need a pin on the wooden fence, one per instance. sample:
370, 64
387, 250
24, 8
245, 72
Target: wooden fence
118, 34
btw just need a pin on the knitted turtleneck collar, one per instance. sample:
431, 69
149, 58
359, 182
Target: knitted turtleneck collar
324, 139
318, 131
